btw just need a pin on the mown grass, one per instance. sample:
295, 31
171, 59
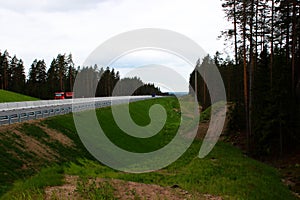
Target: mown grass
7, 96
140, 115
224, 172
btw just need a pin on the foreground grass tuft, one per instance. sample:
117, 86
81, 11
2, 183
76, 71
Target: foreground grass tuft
32, 188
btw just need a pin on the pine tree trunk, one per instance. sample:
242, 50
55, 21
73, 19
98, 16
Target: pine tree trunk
229, 85
251, 71
288, 34
257, 26
71, 79
61, 83
272, 44
245, 73
294, 38
235, 32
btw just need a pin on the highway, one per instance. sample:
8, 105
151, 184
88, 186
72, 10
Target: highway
15, 112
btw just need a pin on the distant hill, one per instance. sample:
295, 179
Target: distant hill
179, 94
7, 96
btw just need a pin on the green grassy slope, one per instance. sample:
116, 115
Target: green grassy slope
7, 96
224, 172
26, 148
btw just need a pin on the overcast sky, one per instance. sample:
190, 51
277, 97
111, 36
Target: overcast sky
40, 29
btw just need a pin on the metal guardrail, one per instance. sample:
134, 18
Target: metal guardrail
17, 112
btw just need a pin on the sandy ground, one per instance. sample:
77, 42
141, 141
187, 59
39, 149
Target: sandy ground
125, 190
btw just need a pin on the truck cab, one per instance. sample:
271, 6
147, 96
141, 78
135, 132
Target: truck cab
59, 95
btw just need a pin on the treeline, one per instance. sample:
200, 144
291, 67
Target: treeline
12, 76
60, 77
135, 86
263, 79
91, 82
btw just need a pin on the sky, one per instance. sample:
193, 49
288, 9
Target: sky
41, 29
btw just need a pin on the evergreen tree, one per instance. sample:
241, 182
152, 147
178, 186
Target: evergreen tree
71, 74
61, 64
37, 79
18, 77
53, 79
4, 70
270, 54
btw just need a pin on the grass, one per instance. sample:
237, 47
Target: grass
32, 187
140, 116
7, 96
91, 189
17, 163
224, 172
205, 115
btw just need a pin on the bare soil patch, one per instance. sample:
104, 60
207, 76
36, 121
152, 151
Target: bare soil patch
40, 149
36, 147
55, 135
125, 190
66, 191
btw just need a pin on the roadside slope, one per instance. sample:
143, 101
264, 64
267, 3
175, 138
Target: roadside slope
27, 147
224, 174
8, 96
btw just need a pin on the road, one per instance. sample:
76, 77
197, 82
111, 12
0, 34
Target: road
15, 112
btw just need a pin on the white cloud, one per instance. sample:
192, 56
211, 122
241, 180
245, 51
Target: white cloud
43, 28
168, 78
49, 5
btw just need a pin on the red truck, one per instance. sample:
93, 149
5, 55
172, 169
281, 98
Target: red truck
63, 95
